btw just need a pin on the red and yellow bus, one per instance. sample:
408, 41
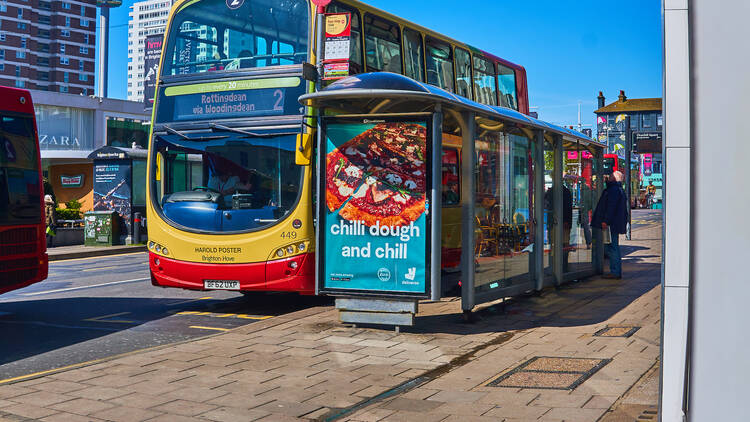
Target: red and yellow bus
23, 250
230, 179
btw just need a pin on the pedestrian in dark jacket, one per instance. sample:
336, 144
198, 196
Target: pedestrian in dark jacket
612, 212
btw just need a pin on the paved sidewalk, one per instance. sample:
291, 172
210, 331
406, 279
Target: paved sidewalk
80, 251
306, 365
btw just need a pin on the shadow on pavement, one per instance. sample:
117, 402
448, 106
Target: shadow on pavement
33, 327
586, 302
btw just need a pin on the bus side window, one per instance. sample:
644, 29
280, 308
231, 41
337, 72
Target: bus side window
413, 57
507, 86
463, 73
450, 177
485, 89
382, 45
355, 43
439, 58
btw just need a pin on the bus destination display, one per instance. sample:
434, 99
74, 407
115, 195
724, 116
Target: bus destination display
221, 100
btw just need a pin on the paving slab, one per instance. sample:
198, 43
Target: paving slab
307, 365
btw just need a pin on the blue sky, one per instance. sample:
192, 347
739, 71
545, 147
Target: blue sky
571, 49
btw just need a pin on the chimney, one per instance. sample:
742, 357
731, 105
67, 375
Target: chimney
622, 96
601, 99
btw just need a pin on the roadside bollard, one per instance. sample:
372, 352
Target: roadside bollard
137, 228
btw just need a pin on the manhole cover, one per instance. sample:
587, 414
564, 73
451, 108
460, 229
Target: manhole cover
555, 373
617, 331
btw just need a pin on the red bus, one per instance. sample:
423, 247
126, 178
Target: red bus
613, 163
23, 249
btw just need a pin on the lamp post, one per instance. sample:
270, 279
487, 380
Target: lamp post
104, 5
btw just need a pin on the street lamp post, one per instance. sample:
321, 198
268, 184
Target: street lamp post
104, 5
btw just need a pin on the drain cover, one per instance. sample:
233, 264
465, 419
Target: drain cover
617, 331
555, 373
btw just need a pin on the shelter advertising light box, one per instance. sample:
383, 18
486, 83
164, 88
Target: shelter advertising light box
375, 205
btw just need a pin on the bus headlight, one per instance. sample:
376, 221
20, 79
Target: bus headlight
165, 251
290, 249
151, 244
280, 253
301, 247
158, 248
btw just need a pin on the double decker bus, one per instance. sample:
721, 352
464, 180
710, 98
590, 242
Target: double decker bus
230, 176
23, 250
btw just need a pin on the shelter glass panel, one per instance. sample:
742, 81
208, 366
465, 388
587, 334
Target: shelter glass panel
490, 184
439, 64
506, 80
413, 55
451, 209
382, 45
485, 88
463, 73
577, 179
548, 220
516, 232
355, 42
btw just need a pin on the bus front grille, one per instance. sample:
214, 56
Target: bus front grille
9, 278
18, 235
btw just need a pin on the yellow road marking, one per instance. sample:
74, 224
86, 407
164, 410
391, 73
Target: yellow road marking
200, 327
254, 317
213, 315
105, 318
190, 301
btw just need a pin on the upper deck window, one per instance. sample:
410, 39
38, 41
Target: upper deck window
382, 45
209, 36
485, 90
463, 73
413, 55
439, 59
506, 79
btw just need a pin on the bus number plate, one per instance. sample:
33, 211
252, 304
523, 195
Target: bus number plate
221, 284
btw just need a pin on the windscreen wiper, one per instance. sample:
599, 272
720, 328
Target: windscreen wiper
187, 138
214, 126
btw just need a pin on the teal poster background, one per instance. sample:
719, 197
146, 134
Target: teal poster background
375, 259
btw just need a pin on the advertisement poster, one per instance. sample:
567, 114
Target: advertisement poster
152, 55
375, 227
112, 188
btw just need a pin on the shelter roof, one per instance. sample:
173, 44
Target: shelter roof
373, 92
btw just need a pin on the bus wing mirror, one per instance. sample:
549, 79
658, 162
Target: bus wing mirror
309, 72
303, 152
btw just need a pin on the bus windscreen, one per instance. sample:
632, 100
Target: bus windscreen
225, 181
213, 35
19, 177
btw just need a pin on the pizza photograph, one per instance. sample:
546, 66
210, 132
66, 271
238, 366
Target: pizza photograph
379, 176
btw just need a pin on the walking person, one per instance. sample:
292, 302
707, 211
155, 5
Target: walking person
612, 213
50, 219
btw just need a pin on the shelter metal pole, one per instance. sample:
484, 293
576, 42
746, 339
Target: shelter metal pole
316, 192
436, 207
468, 164
557, 200
538, 215
629, 188
598, 252
319, 49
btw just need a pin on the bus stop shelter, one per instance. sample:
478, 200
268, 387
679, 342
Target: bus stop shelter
515, 194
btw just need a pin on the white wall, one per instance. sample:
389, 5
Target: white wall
707, 258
